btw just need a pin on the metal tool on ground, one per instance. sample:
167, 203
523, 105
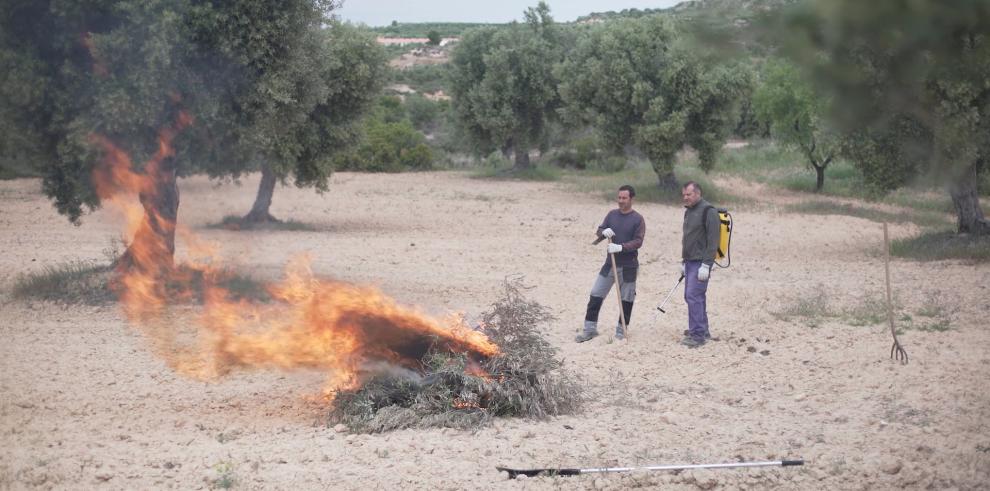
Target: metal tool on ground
513, 473
672, 290
618, 292
896, 351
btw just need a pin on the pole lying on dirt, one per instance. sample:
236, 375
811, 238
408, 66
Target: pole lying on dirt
514, 473
618, 292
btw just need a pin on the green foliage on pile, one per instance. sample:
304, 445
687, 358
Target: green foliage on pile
525, 380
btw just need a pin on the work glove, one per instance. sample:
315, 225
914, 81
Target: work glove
704, 272
682, 269
614, 248
608, 233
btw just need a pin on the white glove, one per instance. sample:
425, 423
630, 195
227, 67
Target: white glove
608, 233
704, 272
682, 269
613, 248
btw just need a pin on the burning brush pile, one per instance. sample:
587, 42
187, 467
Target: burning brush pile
462, 389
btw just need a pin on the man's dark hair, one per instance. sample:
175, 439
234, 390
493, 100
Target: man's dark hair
692, 183
626, 187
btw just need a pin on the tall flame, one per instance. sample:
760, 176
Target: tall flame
332, 326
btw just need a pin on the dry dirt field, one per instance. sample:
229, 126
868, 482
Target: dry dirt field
84, 403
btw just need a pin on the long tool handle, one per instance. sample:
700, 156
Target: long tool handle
672, 290
618, 292
513, 473
886, 270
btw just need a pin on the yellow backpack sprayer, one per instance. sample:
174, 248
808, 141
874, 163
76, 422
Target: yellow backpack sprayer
721, 252
724, 237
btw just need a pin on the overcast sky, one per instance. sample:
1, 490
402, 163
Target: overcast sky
383, 12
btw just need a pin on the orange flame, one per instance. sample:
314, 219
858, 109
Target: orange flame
318, 324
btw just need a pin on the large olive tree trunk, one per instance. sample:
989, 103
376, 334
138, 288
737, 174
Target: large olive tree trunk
263, 201
152, 250
522, 159
666, 180
967, 203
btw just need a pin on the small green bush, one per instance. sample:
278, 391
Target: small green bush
425, 114
389, 147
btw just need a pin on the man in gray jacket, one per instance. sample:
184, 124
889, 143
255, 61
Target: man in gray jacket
698, 246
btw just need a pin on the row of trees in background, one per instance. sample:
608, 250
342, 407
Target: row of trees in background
896, 86
631, 81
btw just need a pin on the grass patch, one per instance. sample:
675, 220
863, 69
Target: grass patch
786, 168
223, 476
823, 207
779, 166
813, 310
644, 180
759, 158
76, 282
936, 246
535, 173
17, 169
810, 309
524, 380
234, 222
90, 283
934, 315
869, 311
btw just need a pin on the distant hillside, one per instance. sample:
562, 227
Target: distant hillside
732, 24
735, 9
422, 29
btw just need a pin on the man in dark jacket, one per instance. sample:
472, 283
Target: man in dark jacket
626, 228
698, 246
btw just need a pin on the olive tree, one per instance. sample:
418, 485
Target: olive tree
308, 109
502, 85
635, 84
229, 82
797, 116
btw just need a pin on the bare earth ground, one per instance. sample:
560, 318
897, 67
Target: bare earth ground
85, 403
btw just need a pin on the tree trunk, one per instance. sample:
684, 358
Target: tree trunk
668, 182
152, 250
967, 203
263, 201
819, 177
522, 159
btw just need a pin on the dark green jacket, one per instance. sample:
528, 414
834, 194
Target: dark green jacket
701, 231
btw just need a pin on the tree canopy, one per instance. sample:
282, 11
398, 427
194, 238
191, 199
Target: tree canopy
797, 115
262, 82
632, 82
909, 81
502, 84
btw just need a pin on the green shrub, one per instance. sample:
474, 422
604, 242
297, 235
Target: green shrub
579, 153
389, 147
419, 157
424, 113
609, 164
424, 78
